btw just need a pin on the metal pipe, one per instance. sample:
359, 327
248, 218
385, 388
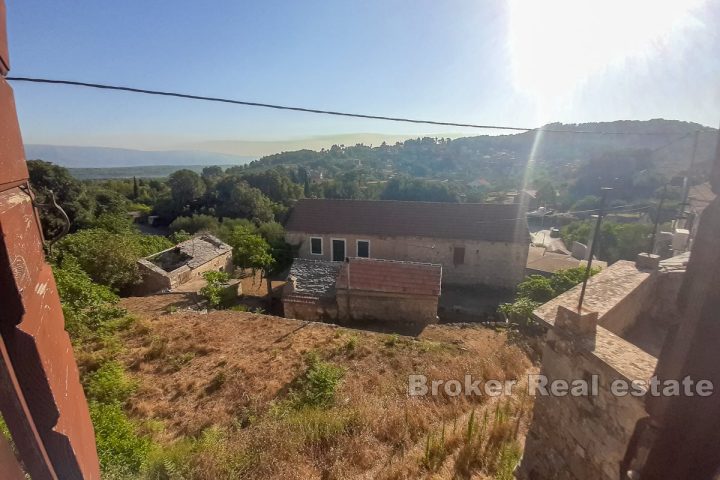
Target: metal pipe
601, 213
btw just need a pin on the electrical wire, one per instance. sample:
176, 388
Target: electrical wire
606, 210
324, 112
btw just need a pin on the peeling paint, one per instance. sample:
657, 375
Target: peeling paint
14, 199
40, 288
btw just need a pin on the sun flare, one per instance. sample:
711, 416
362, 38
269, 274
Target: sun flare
556, 45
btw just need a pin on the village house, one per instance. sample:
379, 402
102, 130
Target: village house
476, 244
184, 262
371, 289
363, 290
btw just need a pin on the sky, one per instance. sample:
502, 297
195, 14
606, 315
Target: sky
510, 62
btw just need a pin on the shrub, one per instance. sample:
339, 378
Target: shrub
213, 292
194, 224
109, 258
317, 387
317, 425
121, 451
89, 308
109, 384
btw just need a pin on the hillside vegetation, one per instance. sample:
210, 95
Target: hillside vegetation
228, 395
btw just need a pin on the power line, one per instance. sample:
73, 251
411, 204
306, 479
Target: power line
258, 104
321, 111
618, 209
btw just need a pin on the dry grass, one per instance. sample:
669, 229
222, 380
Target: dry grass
220, 392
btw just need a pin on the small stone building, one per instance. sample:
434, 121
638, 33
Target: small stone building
362, 289
309, 293
184, 262
388, 290
476, 243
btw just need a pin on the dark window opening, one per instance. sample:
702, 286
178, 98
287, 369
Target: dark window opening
316, 246
338, 250
459, 255
363, 248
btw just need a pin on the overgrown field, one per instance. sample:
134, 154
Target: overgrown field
178, 394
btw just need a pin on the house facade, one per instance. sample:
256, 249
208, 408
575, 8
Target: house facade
360, 290
476, 244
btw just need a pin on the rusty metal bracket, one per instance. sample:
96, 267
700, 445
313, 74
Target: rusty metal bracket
53, 204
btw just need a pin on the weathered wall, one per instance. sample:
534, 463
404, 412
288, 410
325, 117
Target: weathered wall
390, 307
41, 398
581, 438
155, 279
312, 311
486, 263
624, 314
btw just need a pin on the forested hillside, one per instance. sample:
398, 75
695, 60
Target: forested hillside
502, 156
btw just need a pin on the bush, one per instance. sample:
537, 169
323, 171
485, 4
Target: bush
214, 291
317, 387
195, 223
110, 258
121, 451
89, 308
109, 384
618, 241
536, 290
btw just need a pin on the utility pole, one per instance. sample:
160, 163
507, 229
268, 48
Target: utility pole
601, 213
686, 179
657, 219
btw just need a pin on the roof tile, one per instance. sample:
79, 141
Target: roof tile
476, 221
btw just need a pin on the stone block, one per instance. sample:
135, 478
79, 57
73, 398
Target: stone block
583, 323
647, 261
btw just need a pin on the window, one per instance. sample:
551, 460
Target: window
338, 249
459, 255
316, 246
363, 248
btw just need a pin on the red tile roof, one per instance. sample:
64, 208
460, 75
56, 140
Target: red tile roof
390, 276
475, 221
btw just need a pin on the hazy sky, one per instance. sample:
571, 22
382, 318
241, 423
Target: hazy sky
491, 62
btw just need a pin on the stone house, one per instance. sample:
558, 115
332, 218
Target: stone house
184, 262
476, 244
388, 290
363, 289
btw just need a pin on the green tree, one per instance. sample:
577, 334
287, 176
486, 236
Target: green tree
109, 258
70, 194
250, 250
418, 190
195, 223
186, 186
536, 290
237, 199
617, 241
276, 184
589, 202
546, 194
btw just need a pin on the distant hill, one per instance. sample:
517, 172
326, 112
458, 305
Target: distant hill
93, 157
141, 171
492, 156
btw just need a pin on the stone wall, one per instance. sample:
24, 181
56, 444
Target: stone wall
155, 279
486, 263
358, 305
581, 438
318, 311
